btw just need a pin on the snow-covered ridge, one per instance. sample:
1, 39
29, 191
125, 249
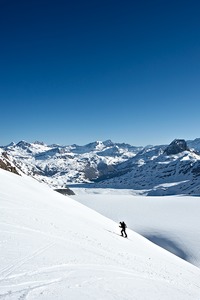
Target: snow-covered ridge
55, 248
151, 170
160, 170
60, 165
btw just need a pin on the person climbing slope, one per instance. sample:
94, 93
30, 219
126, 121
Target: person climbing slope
123, 227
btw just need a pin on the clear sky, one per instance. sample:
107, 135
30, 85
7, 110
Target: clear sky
79, 71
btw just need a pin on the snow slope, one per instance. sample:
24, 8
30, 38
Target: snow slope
171, 221
52, 247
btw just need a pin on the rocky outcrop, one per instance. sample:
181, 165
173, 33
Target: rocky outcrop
65, 191
5, 164
177, 146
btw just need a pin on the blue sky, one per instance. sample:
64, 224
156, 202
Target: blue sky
79, 71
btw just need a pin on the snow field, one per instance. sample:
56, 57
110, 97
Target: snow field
170, 221
52, 247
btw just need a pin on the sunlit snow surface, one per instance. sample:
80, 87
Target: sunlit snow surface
171, 221
52, 247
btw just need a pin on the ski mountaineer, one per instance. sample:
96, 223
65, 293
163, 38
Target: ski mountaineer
123, 227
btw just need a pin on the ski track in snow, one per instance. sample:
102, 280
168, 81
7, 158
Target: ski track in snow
75, 270
120, 258
60, 249
9, 269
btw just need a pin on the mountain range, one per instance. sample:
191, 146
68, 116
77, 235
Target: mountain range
151, 170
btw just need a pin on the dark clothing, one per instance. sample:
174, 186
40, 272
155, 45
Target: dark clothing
123, 227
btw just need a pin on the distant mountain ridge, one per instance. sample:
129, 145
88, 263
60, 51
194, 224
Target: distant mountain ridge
151, 170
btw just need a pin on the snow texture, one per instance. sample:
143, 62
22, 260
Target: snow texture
53, 247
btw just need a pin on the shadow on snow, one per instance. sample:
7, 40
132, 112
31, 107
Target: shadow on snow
168, 245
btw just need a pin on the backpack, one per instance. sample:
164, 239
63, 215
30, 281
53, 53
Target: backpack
123, 225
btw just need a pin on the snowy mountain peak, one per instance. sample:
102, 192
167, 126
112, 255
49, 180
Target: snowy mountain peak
151, 170
99, 145
23, 143
108, 143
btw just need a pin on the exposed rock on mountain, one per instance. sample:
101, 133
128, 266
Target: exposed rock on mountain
6, 164
151, 170
177, 146
65, 191
159, 170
